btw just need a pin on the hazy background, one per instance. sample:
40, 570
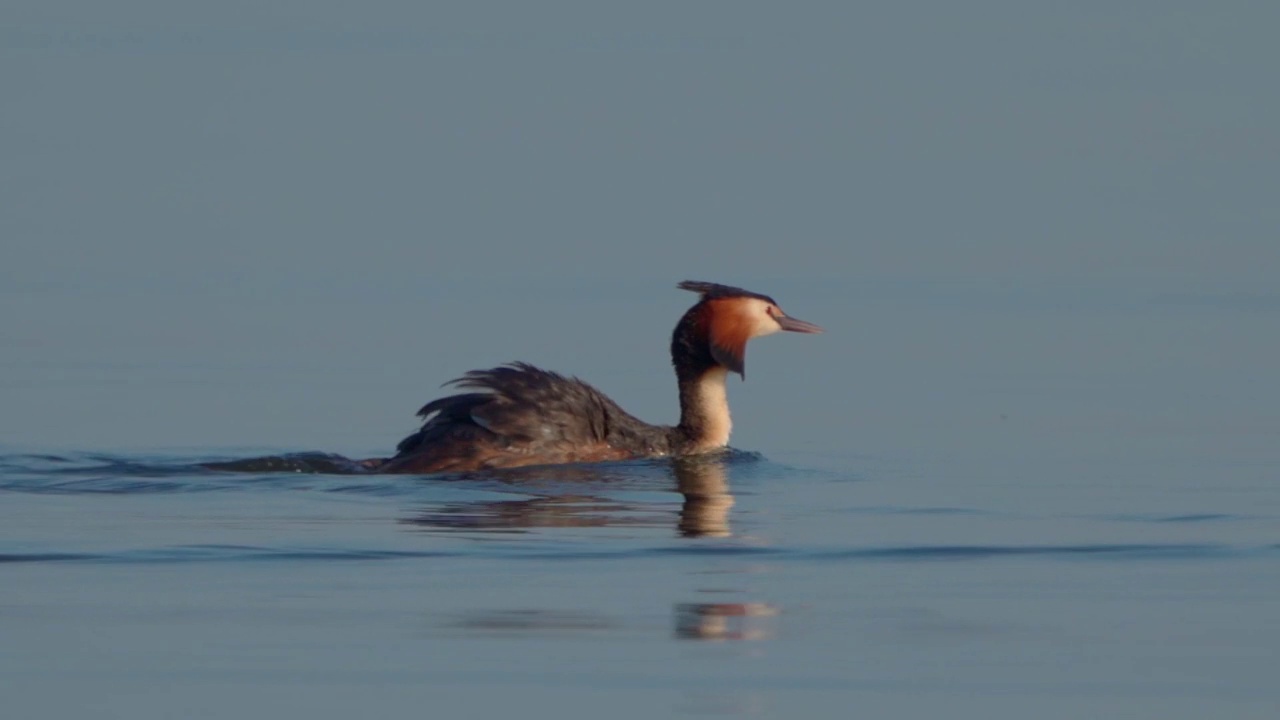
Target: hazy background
1029, 471
283, 224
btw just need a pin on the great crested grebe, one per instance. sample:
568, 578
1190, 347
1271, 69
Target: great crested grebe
526, 416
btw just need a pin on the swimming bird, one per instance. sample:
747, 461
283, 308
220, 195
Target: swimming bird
521, 415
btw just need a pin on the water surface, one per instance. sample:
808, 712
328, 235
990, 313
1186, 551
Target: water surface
735, 585
1031, 469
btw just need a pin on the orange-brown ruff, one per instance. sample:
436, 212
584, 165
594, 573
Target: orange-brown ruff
521, 415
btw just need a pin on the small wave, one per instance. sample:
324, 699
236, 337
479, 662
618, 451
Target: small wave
1183, 518
901, 510
86, 473
1200, 517
46, 557
978, 552
220, 553
910, 553
574, 552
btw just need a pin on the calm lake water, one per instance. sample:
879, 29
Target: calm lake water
1004, 528
1031, 470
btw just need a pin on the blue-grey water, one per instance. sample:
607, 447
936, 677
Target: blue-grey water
1031, 469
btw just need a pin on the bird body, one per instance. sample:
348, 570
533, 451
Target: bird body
517, 414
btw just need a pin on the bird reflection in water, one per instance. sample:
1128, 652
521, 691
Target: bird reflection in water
579, 496
585, 496
723, 621
704, 482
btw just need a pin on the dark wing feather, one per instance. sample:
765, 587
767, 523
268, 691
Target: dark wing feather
522, 409
450, 412
527, 403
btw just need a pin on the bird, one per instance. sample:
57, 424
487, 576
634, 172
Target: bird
518, 415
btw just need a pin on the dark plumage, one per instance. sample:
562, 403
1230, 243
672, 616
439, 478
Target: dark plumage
525, 413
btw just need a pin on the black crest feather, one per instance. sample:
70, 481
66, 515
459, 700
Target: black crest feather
713, 291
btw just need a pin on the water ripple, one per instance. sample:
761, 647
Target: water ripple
94, 474
220, 553
507, 552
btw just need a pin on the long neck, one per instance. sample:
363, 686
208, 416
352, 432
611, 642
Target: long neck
704, 404
704, 410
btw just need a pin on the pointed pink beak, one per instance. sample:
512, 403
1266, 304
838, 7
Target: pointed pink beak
791, 324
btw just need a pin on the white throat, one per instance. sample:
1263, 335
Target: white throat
711, 410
